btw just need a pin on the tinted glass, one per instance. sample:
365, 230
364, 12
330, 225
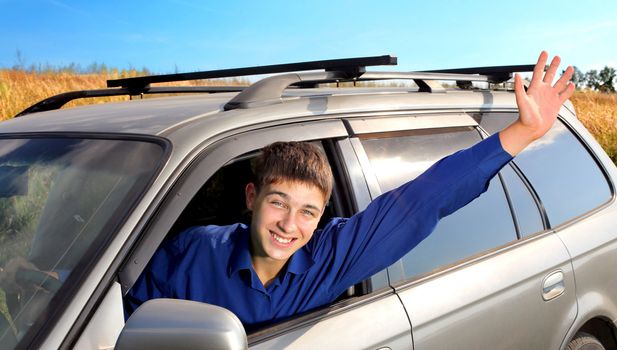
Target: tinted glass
563, 173
59, 199
483, 224
526, 210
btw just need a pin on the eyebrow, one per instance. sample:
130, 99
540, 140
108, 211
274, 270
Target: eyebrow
286, 196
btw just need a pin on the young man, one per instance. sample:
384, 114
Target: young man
281, 265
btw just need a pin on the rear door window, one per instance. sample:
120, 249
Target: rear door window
561, 170
483, 224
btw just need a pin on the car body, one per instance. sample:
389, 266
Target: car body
527, 265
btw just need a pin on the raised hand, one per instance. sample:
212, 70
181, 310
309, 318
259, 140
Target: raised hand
538, 106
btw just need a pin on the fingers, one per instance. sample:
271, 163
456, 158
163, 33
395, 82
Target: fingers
519, 89
538, 70
561, 84
552, 69
565, 94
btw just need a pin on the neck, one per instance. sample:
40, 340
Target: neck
267, 269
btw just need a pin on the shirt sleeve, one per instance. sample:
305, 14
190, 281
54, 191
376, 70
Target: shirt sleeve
154, 280
395, 222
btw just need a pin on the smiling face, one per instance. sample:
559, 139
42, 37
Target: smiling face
285, 214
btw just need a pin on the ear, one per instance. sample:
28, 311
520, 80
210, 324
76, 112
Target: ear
250, 193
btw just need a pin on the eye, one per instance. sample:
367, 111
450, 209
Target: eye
277, 204
308, 213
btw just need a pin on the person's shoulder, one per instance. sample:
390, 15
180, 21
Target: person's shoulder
324, 235
211, 235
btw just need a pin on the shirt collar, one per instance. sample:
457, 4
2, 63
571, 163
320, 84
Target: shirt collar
240, 258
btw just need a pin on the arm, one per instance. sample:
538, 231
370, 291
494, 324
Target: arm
538, 106
397, 221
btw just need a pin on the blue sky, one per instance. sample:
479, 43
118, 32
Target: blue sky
201, 35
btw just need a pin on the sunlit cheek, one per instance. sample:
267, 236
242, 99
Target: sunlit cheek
271, 213
307, 225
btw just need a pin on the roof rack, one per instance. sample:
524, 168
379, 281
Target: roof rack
270, 90
350, 65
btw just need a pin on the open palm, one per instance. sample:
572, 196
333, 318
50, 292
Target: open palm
539, 105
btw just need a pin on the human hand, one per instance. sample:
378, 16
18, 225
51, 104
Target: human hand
538, 106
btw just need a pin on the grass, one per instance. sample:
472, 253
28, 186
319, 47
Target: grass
20, 88
598, 112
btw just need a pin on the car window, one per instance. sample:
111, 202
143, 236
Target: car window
483, 224
221, 201
60, 200
565, 176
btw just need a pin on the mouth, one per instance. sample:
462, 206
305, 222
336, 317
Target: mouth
282, 241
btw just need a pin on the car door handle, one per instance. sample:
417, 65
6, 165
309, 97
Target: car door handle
553, 285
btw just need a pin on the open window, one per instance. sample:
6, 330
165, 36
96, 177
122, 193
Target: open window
212, 190
221, 200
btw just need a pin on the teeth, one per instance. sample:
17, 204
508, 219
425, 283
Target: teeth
281, 239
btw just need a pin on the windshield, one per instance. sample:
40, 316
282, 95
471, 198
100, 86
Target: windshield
60, 199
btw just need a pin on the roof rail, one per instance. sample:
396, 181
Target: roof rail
57, 101
350, 65
270, 90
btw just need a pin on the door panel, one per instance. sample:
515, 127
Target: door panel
471, 284
366, 325
495, 302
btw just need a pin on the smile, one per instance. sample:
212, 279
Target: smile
280, 239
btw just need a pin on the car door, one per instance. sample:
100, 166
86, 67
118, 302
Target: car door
578, 196
472, 283
369, 321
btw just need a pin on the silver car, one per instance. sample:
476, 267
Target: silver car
87, 195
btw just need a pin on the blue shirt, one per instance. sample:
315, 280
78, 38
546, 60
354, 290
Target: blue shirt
212, 264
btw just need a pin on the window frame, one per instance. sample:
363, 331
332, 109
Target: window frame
335, 139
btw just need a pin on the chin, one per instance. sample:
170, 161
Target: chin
279, 255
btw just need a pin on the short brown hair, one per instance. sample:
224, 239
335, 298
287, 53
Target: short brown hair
295, 161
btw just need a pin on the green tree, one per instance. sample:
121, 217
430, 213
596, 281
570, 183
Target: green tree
607, 76
592, 79
601, 81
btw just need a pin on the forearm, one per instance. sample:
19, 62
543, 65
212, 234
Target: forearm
516, 137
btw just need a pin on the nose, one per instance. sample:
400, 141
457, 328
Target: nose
287, 223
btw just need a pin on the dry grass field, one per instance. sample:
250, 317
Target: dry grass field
20, 89
598, 112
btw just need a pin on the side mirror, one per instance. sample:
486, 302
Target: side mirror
181, 324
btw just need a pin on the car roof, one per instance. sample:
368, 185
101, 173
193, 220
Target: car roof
160, 116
